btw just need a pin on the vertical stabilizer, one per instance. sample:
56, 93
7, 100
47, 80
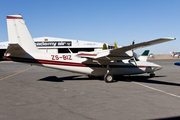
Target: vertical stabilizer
144, 55
18, 33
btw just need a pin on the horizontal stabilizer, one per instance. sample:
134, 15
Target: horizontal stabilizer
15, 50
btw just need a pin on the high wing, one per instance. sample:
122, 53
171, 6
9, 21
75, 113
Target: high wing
120, 53
140, 45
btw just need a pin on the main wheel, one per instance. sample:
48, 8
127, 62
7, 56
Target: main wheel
108, 78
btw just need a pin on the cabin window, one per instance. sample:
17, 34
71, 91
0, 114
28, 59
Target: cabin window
74, 50
110, 47
63, 50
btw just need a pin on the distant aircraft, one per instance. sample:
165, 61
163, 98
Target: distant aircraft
106, 63
177, 63
151, 55
175, 54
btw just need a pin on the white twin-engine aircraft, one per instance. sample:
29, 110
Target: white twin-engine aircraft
106, 63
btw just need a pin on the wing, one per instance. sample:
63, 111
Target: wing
140, 45
121, 53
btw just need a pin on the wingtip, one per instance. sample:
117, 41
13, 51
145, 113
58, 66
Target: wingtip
169, 38
172, 38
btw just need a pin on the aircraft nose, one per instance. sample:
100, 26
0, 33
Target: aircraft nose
158, 67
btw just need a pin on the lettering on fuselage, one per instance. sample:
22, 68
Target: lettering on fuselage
64, 57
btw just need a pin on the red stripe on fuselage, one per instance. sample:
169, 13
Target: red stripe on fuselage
80, 64
148, 67
60, 63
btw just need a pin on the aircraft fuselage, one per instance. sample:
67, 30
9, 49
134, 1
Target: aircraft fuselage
70, 62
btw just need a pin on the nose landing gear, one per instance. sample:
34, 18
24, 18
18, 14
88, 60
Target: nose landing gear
152, 75
108, 78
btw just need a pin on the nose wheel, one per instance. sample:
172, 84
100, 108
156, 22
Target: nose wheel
152, 75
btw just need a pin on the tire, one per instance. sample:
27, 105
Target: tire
152, 75
108, 78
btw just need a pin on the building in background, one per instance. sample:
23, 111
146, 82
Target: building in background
3, 47
59, 45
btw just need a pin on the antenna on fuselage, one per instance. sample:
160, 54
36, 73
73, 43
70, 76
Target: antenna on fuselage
133, 42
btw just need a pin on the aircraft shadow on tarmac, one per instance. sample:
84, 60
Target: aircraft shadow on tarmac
62, 79
168, 118
139, 78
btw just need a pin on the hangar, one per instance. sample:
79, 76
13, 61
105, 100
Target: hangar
59, 45
3, 47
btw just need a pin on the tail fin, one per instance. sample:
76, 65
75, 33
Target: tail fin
171, 53
144, 55
19, 34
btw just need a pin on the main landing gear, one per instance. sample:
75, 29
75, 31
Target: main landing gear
108, 78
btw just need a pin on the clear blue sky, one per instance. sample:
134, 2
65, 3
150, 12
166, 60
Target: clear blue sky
106, 21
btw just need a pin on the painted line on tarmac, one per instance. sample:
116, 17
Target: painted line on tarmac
17, 73
157, 90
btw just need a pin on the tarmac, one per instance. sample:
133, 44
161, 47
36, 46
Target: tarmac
36, 93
